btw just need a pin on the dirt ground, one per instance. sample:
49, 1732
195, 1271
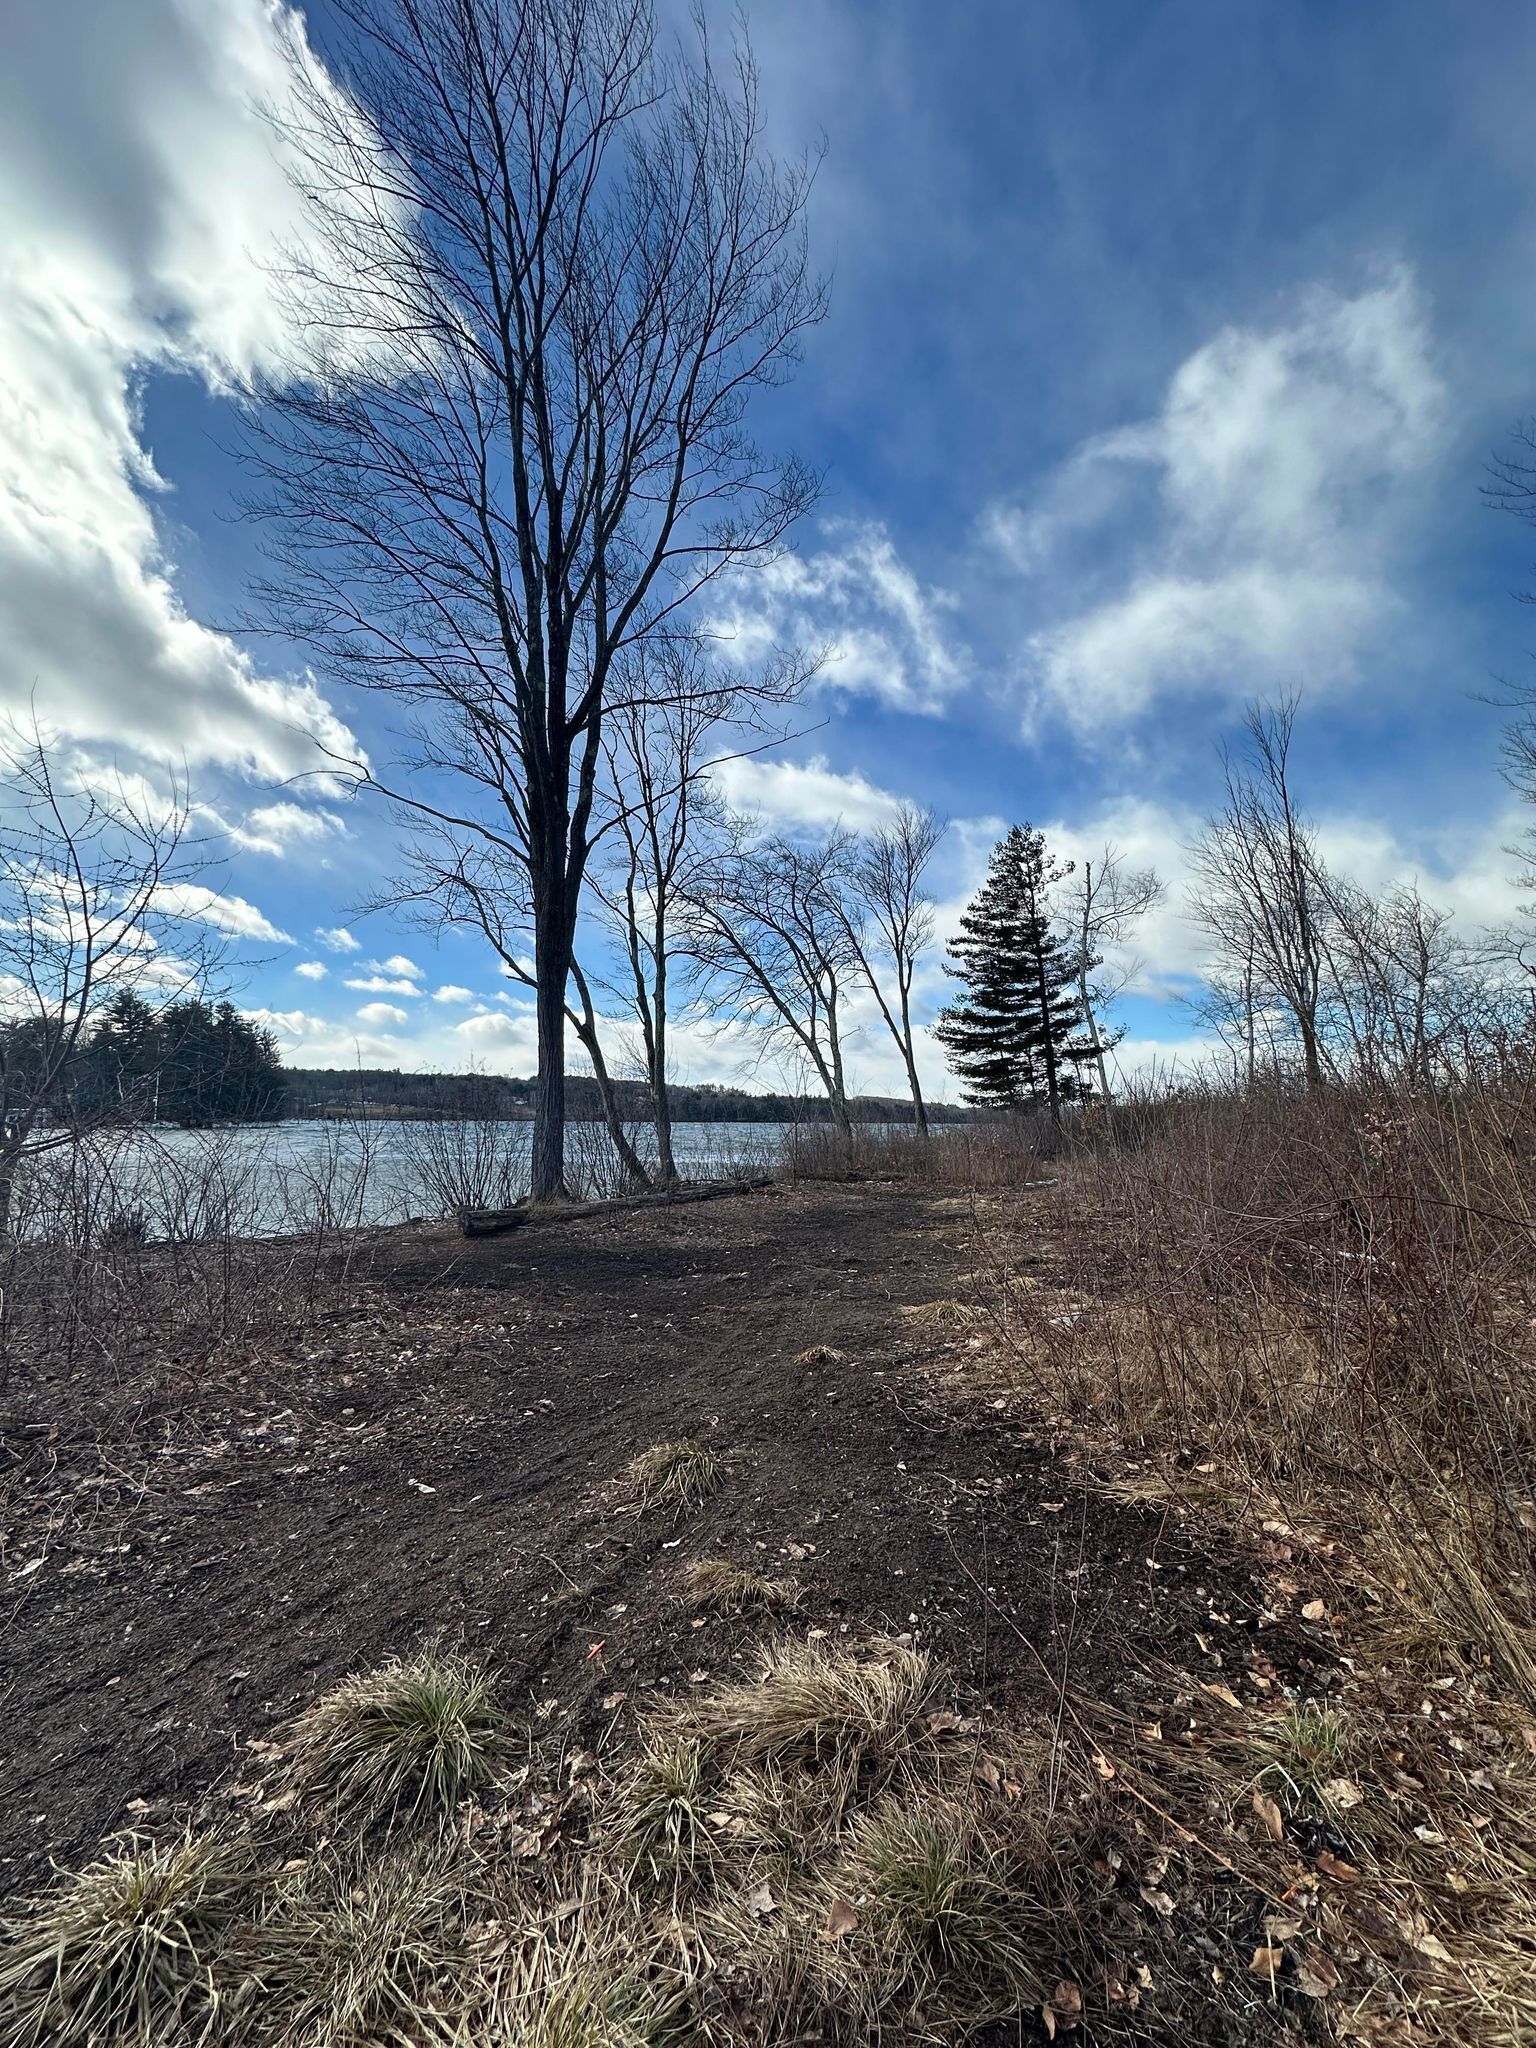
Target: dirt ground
182, 1570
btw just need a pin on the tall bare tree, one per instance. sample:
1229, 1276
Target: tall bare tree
560, 267
888, 913
1256, 892
660, 750
1102, 903
772, 949
91, 881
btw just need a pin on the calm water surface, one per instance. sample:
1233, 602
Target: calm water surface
291, 1175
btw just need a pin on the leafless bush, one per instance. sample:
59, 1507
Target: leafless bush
471, 1162
1006, 1152
132, 1246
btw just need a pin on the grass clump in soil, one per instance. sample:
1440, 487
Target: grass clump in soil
659, 1809
814, 1699
678, 1475
409, 1740
716, 1583
123, 1951
821, 1354
346, 1959
925, 1907
941, 1315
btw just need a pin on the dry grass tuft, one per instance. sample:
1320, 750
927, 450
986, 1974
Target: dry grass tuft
348, 1961
658, 1809
940, 1915
727, 1588
821, 1354
678, 1475
409, 1740
814, 1699
946, 1314
123, 1951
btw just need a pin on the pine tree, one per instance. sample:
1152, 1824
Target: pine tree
1010, 1039
121, 1060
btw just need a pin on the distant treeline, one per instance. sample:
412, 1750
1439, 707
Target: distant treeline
319, 1091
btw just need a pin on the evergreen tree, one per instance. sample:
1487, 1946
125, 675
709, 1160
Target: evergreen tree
1010, 1040
122, 1059
216, 1067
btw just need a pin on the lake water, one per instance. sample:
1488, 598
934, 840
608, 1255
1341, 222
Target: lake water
259, 1180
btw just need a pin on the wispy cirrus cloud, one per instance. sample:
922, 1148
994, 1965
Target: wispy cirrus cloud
1254, 530
882, 631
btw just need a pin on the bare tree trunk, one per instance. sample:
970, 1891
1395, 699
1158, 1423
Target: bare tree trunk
546, 1181
1052, 1079
919, 1107
661, 1096
837, 1087
1094, 1038
585, 1025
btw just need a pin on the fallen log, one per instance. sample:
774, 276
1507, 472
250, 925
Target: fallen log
486, 1222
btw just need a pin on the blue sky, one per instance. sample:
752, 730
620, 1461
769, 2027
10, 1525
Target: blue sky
1167, 347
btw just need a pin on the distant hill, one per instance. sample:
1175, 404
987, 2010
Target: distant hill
383, 1091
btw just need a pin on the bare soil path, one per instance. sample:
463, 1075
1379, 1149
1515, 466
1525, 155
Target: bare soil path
443, 1459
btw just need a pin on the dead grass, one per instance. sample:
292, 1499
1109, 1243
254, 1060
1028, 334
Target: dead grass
658, 1809
821, 1354
409, 1740
726, 1588
124, 1951
342, 1959
679, 1475
927, 1909
1306, 1323
942, 1315
819, 1854
813, 1699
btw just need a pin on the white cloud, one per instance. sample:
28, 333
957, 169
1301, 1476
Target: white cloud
312, 970
802, 792
291, 1028
381, 1014
1275, 484
397, 964
383, 985
276, 828
225, 912
451, 992
337, 938
506, 1041
884, 632
141, 192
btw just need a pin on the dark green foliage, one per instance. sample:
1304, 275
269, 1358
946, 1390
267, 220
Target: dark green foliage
191, 1063
1010, 1039
121, 1065
217, 1067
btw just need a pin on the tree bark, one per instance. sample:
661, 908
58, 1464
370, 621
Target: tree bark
919, 1107
586, 1030
552, 967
